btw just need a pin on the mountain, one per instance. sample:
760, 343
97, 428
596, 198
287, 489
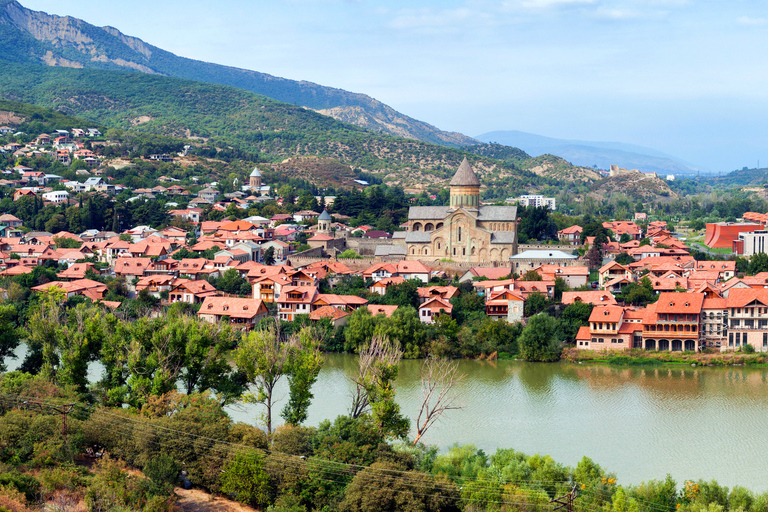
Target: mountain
247, 125
585, 153
35, 37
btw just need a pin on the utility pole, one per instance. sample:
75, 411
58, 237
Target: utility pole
566, 501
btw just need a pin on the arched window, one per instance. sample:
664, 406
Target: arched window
459, 233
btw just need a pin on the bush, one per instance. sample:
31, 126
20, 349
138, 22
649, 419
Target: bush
26, 484
245, 479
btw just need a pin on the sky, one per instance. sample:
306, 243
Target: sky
686, 77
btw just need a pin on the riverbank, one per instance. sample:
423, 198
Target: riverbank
644, 357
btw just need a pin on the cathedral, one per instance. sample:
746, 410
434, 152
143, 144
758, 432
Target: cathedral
464, 230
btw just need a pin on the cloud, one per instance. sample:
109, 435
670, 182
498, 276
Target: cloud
427, 18
752, 22
616, 14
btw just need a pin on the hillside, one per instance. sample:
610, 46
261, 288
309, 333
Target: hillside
740, 178
256, 127
635, 186
34, 37
32, 119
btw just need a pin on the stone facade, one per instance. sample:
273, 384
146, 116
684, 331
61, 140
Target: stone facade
464, 231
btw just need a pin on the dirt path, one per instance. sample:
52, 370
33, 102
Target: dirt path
195, 500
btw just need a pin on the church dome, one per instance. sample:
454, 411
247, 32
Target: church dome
255, 173
465, 176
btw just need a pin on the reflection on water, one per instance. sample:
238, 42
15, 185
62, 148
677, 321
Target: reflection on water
640, 422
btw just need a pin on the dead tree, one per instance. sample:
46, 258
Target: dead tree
438, 378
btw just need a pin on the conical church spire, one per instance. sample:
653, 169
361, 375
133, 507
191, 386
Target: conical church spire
465, 187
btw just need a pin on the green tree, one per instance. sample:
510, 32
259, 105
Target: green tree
246, 480
360, 329
303, 369
758, 263
9, 333
535, 303
264, 356
539, 342
269, 256
375, 391
624, 258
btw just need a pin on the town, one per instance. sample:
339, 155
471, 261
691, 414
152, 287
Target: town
644, 289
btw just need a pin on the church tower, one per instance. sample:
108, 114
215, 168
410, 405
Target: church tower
324, 223
255, 179
465, 188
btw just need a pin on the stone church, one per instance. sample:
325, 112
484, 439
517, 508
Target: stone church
464, 230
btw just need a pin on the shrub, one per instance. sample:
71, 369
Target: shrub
245, 479
26, 484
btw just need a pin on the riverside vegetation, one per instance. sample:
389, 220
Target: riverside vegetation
158, 408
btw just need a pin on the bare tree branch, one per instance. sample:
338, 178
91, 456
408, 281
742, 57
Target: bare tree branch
438, 378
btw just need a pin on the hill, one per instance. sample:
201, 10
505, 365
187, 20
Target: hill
33, 119
252, 126
636, 186
587, 153
34, 37
740, 178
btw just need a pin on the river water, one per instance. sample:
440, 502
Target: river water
640, 423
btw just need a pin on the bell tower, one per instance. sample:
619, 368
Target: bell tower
465, 188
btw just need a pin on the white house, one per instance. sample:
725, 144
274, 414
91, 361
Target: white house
57, 196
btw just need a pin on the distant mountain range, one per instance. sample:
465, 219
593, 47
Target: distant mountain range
588, 154
32, 37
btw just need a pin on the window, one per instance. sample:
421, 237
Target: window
765, 340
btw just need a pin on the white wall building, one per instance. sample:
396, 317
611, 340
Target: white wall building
535, 200
755, 242
57, 196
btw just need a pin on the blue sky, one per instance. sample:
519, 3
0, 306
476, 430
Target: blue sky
687, 77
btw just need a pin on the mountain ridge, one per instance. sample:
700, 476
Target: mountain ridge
36, 37
589, 153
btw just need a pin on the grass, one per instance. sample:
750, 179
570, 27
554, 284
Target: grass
642, 357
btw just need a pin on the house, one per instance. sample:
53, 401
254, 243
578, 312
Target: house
574, 276
131, 268
208, 194
505, 305
76, 271
338, 317
22, 192
444, 292
610, 328
56, 196
381, 285
378, 309
434, 307
595, 297
242, 313
725, 269
156, 284
747, 319
570, 235
345, 302
673, 322
526, 288
10, 220
192, 292
295, 300
613, 270
492, 273
268, 288
91, 289
621, 227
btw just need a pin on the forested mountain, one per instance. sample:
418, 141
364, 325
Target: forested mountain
34, 37
259, 128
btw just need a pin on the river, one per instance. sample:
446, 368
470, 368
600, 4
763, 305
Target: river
640, 422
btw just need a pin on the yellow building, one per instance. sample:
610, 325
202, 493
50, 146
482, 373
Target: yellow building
464, 230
